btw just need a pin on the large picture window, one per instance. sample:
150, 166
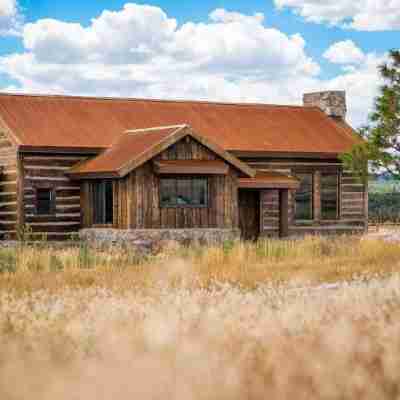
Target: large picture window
304, 198
183, 192
103, 203
329, 196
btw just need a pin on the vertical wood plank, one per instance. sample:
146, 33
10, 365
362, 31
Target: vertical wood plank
283, 213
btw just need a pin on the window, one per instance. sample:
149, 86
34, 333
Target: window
44, 201
329, 196
183, 192
304, 197
103, 203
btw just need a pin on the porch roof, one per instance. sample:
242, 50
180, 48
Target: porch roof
269, 180
136, 147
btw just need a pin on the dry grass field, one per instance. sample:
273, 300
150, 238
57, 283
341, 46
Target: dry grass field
317, 318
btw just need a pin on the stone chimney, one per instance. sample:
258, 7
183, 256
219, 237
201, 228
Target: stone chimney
332, 103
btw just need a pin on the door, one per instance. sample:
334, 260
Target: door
249, 214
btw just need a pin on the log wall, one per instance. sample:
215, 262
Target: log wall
353, 199
9, 189
48, 170
136, 197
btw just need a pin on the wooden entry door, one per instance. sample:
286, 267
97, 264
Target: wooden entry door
249, 214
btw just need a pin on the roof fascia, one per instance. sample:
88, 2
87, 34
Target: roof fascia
58, 150
267, 185
92, 175
279, 154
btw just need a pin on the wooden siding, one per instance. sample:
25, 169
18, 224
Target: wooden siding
9, 189
49, 170
352, 198
137, 203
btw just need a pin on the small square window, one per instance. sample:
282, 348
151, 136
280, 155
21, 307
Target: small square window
44, 201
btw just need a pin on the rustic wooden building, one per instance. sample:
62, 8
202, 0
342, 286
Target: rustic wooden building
69, 163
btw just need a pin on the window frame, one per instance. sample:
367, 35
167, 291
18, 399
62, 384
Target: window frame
338, 195
312, 199
52, 205
96, 185
184, 177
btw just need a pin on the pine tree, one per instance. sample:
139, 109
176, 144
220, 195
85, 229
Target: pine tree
382, 147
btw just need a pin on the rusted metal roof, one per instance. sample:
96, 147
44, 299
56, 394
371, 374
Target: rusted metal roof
129, 147
135, 147
269, 180
96, 123
188, 167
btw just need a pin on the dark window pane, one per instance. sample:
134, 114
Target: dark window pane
168, 192
98, 200
304, 197
109, 202
44, 201
103, 202
329, 196
200, 192
183, 192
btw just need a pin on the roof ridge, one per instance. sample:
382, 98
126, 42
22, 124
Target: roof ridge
154, 100
155, 128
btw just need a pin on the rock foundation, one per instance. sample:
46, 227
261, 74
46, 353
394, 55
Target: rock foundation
154, 240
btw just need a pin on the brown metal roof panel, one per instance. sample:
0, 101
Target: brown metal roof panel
128, 147
57, 121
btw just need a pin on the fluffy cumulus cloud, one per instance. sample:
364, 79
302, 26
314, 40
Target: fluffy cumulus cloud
344, 52
368, 15
9, 17
139, 51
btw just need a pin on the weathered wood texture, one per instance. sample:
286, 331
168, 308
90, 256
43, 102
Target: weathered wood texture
270, 213
249, 214
283, 213
137, 203
352, 198
9, 188
41, 170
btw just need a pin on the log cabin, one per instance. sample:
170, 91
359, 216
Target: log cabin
79, 163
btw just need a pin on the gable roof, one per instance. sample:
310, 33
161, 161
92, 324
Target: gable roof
135, 147
80, 123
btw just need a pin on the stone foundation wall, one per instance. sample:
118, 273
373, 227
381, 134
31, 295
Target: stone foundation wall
153, 240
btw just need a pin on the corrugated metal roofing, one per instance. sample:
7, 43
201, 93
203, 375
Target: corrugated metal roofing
269, 180
134, 148
62, 121
128, 147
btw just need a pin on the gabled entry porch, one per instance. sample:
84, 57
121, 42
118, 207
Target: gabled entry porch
252, 209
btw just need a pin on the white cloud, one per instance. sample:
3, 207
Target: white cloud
139, 51
344, 52
367, 15
9, 17
361, 84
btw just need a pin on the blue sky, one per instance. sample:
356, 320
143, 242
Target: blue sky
254, 50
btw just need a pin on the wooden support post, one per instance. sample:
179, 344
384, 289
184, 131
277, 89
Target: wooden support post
317, 197
283, 213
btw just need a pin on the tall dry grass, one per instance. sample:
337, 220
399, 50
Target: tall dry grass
312, 260
242, 321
